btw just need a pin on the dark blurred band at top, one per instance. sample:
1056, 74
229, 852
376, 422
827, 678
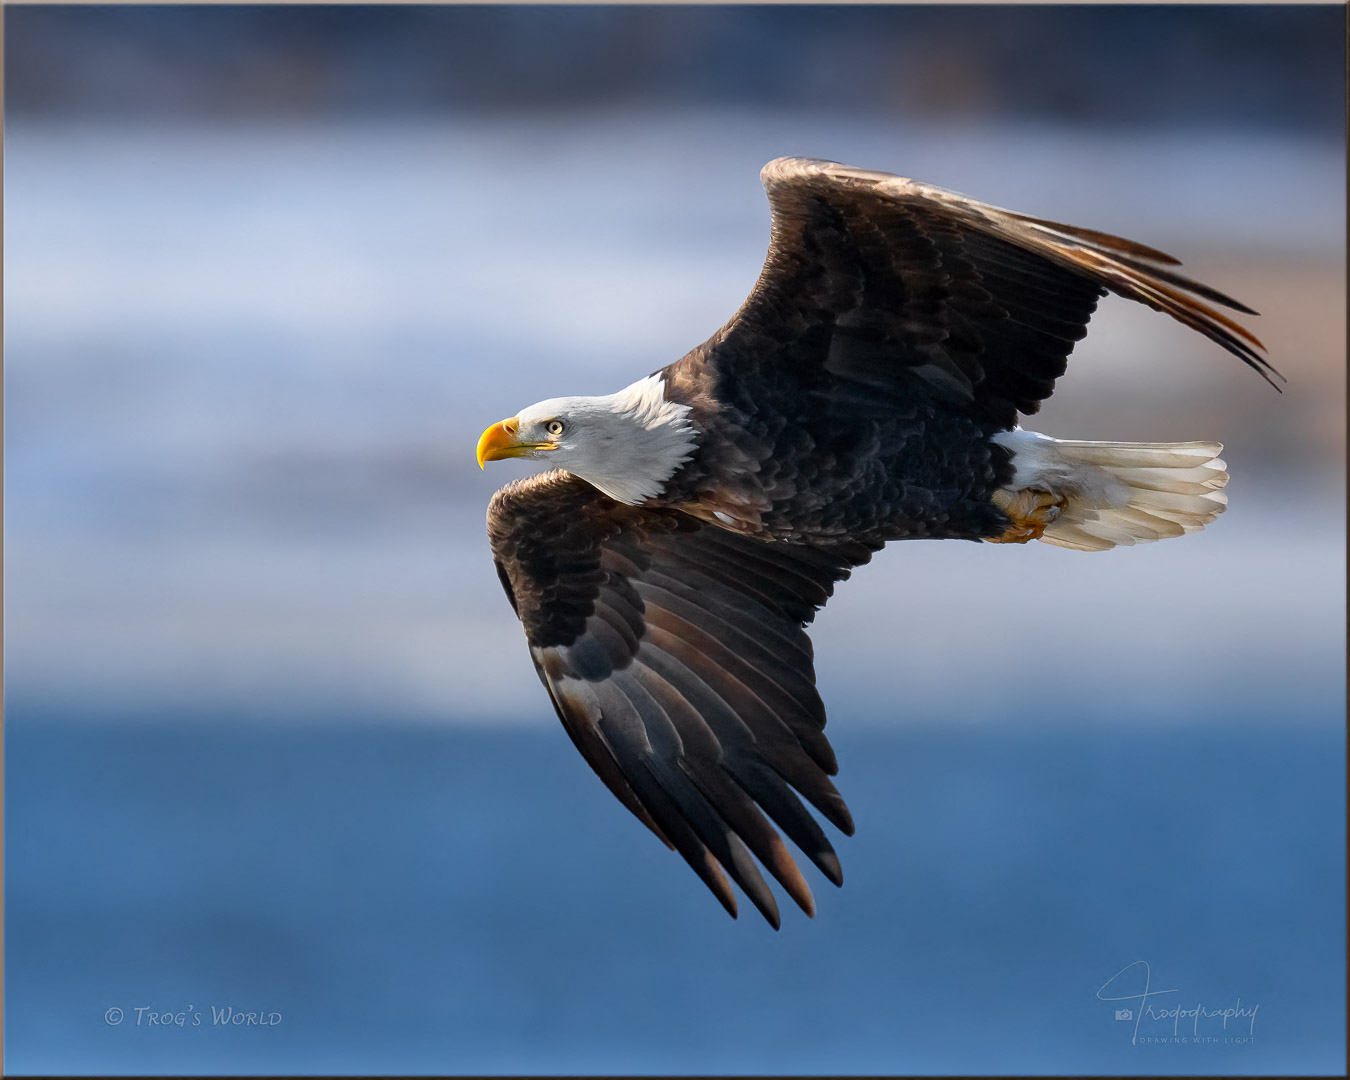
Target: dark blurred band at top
1117, 66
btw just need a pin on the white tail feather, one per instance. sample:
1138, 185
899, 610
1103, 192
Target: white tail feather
1120, 493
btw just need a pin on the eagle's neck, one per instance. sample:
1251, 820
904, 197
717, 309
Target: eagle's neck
652, 439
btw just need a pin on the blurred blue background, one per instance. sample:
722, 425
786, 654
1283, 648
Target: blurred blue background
272, 738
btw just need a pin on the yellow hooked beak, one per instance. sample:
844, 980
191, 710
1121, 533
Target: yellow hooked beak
499, 441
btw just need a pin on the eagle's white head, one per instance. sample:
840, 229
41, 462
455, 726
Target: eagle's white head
627, 444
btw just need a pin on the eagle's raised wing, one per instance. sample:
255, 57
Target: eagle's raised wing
897, 289
676, 658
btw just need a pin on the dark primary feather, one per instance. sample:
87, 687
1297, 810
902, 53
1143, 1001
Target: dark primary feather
906, 287
675, 655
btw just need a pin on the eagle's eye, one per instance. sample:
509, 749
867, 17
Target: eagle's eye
554, 427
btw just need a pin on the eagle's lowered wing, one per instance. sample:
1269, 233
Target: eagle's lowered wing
675, 655
877, 289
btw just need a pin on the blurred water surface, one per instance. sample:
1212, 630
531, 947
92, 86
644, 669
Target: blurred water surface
472, 901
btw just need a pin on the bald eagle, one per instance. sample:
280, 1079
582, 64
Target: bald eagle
868, 390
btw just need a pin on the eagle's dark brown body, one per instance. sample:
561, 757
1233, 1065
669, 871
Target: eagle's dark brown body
855, 398
789, 470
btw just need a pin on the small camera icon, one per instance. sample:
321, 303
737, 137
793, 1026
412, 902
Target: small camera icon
1124, 1014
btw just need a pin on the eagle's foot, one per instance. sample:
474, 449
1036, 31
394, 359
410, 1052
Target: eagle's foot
1031, 512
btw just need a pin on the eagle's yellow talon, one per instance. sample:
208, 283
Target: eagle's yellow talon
1031, 512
